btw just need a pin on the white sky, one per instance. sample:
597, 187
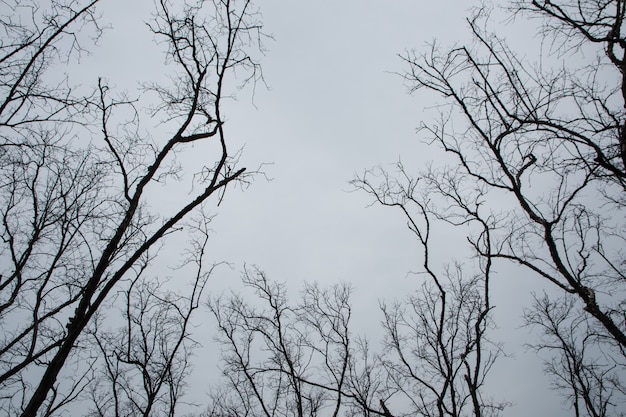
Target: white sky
333, 109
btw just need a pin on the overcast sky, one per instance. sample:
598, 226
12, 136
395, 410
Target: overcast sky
334, 107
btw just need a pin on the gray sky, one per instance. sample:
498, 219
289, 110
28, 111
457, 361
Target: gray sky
334, 107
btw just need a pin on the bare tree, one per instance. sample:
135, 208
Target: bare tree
579, 362
76, 170
36, 36
437, 352
520, 131
538, 157
302, 359
144, 362
281, 359
266, 353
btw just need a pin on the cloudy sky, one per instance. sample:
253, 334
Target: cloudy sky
334, 106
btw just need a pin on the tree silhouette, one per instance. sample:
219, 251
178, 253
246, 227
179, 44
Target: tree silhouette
76, 172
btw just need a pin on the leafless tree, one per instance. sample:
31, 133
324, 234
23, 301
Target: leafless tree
76, 173
302, 359
582, 366
437, 352
281, 359
537, 154
267, 352
144, 362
